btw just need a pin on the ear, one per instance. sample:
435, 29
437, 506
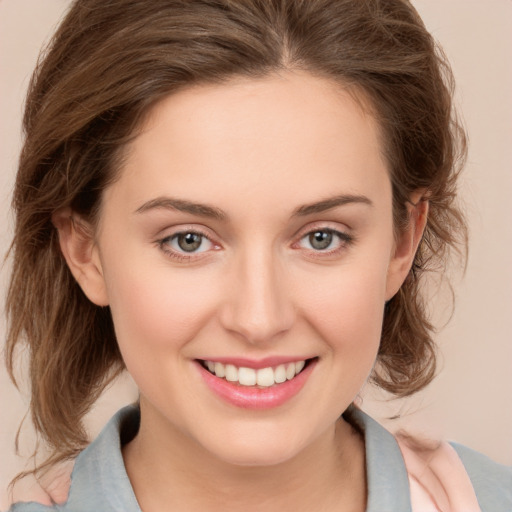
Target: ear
407, 243
81, 254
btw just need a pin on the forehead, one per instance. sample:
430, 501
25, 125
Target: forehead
262, 143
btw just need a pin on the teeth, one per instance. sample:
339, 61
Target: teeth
299, 365
220, 370
247, 376
280, 374
263, 377
231, 373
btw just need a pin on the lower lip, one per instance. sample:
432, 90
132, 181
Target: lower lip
247, 397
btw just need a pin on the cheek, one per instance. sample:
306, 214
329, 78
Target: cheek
346, 309
157, 310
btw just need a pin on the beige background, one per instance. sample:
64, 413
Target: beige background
471, 400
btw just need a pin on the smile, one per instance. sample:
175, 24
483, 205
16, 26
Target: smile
263, 377
270, 385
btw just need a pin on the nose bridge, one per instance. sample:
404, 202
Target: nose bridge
258, 306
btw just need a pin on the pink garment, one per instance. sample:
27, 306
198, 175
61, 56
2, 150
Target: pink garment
437, 478
51, 488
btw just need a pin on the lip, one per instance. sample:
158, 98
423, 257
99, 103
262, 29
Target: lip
246, 397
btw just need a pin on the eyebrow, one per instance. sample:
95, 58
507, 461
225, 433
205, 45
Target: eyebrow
330, 203
207, 211
169, 203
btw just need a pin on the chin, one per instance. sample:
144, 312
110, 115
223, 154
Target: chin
256, 450
258, 457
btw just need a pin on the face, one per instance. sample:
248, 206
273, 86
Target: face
250, 231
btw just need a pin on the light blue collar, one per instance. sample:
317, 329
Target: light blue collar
99, 481
387, 480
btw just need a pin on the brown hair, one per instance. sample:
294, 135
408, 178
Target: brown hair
111, 60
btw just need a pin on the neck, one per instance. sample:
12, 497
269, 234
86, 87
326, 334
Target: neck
168, 470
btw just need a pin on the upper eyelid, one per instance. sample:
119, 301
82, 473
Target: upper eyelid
183, 255
323, 226
167, 236
342, 235
167, 233
299, 233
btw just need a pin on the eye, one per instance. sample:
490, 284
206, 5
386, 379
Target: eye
185, 244
325, 240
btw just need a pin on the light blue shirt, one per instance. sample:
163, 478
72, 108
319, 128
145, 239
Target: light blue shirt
99, 482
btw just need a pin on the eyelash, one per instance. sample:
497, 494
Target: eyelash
164, 244
345, 240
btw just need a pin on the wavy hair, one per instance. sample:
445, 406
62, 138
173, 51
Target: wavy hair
111, 60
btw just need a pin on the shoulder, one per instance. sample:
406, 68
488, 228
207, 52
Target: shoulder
98, 480
31, 507
492, 481
45, 492
453, 474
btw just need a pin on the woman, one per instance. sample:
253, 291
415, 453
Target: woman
236, 201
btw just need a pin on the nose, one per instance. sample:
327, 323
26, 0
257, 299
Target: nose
258, 306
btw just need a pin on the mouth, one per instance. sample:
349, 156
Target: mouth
256, 385
256, 378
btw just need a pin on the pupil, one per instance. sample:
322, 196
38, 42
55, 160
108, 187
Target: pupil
320, 239
189, 242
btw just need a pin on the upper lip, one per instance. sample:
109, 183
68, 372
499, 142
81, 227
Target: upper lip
256, 364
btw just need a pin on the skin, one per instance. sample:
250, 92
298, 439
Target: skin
257, 150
